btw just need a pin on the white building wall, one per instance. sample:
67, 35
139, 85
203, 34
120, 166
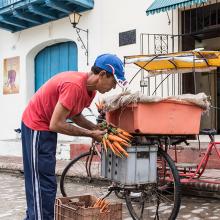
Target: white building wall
105, 22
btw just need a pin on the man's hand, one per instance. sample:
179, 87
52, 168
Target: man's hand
98, 135
100, 126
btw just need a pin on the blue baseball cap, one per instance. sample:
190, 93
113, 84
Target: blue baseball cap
112, 64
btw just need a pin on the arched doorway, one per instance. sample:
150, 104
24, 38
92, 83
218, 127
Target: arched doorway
55, 59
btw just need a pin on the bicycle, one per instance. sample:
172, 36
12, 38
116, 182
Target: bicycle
158, 200
192, 173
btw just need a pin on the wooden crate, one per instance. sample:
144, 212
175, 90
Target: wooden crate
66, 209
115, 211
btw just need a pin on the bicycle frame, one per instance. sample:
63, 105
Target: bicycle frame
194, 176
93, 151
189, 175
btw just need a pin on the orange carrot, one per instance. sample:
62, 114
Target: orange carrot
100, 204
115, 138
120, 148
108, 143
118, 153
104, 206
97, 203
104, 144
101, 105
123, 137
97, 105
124, 132
127, 134
125, 144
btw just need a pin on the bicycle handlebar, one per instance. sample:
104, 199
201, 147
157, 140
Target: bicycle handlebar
17, 130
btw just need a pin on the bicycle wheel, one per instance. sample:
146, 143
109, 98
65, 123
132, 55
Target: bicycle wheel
79, 170
160, 200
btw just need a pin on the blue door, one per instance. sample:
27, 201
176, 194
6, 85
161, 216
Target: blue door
54, 59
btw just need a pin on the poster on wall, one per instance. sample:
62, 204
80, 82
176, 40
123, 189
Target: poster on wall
11, 75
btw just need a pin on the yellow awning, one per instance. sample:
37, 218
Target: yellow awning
181, 62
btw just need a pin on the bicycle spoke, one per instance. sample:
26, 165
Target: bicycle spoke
77, 171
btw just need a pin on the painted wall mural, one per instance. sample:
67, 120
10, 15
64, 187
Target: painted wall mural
11, 75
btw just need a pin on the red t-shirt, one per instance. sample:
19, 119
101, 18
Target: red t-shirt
68, 88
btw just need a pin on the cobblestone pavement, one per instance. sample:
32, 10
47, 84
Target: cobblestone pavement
13, 201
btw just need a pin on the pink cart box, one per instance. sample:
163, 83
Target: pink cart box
165, 117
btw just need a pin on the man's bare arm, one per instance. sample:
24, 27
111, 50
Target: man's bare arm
58, 124
84, 123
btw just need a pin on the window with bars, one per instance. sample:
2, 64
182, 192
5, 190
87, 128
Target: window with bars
201, 19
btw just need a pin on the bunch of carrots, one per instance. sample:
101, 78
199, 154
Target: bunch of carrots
102, 204
116, 139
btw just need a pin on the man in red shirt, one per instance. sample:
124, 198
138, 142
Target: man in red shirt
62, 97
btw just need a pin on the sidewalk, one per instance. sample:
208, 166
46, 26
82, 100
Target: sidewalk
15, 164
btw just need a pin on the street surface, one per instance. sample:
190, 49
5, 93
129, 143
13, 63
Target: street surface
12, 201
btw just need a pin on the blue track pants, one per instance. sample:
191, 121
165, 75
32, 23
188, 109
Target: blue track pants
39, 159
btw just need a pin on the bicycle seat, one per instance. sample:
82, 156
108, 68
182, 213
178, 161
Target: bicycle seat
208, 131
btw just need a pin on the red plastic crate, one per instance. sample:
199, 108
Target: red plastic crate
165, 117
